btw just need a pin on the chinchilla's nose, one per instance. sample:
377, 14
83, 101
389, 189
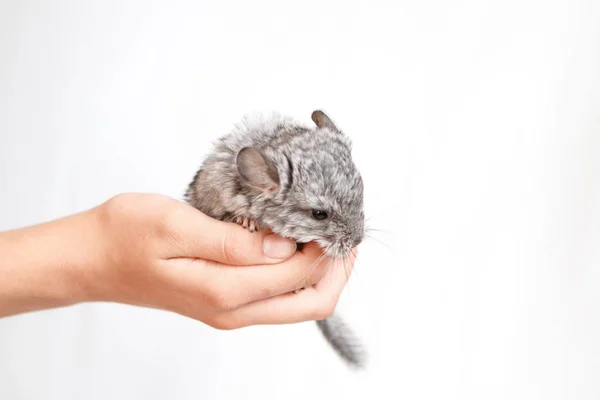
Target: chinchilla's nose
357, 236
355, 241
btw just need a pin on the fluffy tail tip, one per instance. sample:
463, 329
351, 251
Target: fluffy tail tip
343, 341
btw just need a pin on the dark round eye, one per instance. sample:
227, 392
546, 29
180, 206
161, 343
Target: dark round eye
319, 214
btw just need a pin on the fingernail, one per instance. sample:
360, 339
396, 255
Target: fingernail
277, 247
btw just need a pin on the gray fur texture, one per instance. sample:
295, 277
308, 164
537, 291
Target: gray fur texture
275, 173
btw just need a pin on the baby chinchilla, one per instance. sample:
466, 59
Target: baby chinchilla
299, 182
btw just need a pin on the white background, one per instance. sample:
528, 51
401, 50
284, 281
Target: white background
476, 125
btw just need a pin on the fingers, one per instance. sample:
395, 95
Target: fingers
314, 303
195, 235
227, 287
258, 293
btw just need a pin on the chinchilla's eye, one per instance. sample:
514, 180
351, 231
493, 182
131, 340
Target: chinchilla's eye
319, 214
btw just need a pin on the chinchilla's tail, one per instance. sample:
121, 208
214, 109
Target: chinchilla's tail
343, 341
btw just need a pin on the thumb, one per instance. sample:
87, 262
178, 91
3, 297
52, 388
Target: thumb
200, 236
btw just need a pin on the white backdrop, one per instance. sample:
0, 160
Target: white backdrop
476, 125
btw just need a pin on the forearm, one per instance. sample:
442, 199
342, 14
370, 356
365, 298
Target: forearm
44, 266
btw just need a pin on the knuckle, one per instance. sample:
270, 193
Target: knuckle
326, 308
168, 216
166, 219
217, 301
224, 323
232, 251
322, 313
144, 210
166, 224
115, 207
266, 292
221, 300
120, 198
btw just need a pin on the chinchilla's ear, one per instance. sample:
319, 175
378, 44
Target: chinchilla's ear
257, 170
322, 120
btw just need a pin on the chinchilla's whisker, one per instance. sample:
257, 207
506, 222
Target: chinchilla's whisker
380, 242
371, 229
347, 267
342, 261
313, 267
357, 260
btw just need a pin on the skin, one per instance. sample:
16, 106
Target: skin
154, 251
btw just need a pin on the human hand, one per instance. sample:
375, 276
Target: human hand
158, 252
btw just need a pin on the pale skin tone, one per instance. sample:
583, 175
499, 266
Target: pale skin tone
154, 251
